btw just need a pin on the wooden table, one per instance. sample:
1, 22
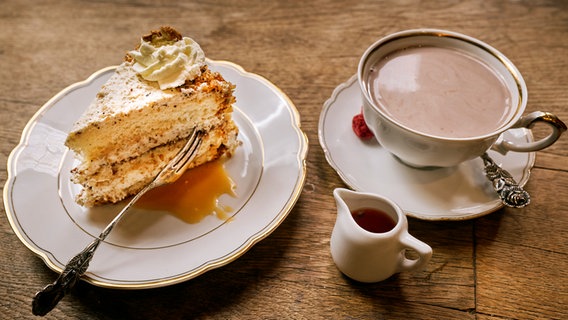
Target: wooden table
511, 264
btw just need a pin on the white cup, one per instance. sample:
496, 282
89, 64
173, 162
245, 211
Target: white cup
368, 256
419, 149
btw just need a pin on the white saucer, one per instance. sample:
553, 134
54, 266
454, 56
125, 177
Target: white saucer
456, 193
150, 249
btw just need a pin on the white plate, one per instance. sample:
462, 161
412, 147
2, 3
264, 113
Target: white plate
456, 193
156, 249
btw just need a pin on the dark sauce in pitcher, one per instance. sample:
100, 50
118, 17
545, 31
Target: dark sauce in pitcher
373, 220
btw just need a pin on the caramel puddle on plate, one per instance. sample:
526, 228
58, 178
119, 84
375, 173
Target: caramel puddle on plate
194, 195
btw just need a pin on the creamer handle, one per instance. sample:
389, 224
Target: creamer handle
423, 250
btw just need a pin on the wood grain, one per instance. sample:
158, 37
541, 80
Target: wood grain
510, 264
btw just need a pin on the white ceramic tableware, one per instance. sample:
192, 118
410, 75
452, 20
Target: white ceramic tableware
269, 171
368, 256
419, 149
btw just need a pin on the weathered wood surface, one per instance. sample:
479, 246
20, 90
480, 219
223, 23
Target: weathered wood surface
511, 264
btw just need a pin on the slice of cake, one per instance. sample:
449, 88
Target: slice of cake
143, 115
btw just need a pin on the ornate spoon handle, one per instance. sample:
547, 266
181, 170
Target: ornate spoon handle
511, 194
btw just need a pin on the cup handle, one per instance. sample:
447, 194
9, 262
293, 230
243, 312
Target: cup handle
423, 250
558, 127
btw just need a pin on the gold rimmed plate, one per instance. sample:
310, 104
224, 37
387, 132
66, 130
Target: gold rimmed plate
156, 249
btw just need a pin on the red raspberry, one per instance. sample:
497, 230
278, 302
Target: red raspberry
360, 127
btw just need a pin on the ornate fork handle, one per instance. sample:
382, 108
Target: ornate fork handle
511, 194
46, 299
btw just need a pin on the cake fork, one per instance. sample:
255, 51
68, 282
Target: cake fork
47, 298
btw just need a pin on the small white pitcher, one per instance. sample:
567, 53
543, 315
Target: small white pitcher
368, 256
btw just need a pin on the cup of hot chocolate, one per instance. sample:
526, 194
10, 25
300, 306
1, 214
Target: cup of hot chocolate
435, 98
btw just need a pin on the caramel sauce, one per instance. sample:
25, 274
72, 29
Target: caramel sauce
194, 195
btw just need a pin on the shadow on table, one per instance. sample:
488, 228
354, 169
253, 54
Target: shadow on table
447, 283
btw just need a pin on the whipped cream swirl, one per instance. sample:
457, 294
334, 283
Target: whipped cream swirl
170, 64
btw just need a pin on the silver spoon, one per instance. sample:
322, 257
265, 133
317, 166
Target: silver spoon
511, 194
